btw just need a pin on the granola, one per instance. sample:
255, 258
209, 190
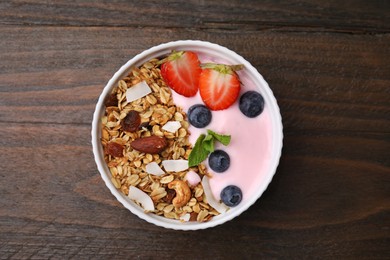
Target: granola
172, 196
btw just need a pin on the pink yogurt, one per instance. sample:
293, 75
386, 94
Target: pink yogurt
250, 146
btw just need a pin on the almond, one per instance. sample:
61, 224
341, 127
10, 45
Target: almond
151, 144
131, 122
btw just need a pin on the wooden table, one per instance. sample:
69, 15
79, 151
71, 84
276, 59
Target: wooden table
327, 63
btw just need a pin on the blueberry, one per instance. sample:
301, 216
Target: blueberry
219, 161
251, 103
199, 116
231, 196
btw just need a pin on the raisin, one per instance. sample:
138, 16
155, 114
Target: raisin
111, 100
114, 149
131, 122
170, 195
193, 216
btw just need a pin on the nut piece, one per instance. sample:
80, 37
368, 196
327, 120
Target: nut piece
183, 193
151, 144
131, 122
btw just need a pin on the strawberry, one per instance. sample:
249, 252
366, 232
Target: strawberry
181, 71
219, 85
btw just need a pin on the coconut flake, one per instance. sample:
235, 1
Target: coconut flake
186, 217
137, 91
141, 197
220, 207
172, 126
192, 178
154, 168
175, 165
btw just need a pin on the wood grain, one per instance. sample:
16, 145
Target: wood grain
327, 64
66, 68
351, 15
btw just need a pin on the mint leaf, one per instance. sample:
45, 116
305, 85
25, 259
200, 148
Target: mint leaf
205, 145
208, 143
224, 139
198, 153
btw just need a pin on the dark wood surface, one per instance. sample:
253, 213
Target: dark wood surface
328, 63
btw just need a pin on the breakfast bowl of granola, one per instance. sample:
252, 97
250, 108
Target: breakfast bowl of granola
187, 135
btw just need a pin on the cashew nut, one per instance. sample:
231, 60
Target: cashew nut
183, 193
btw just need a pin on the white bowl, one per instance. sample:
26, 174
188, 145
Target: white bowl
208, 49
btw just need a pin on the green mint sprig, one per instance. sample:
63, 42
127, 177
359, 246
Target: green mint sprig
205, 145
223, 139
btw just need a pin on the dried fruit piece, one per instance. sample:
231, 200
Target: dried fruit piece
151, 144
114, 149
131, 122
111, 100
170, 195
193, 216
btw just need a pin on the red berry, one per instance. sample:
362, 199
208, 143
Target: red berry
219, 85
181, 71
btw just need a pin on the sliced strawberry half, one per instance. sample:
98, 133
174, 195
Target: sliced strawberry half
181, 71
219, 85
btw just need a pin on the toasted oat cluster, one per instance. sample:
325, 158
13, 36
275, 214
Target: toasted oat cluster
125, 122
